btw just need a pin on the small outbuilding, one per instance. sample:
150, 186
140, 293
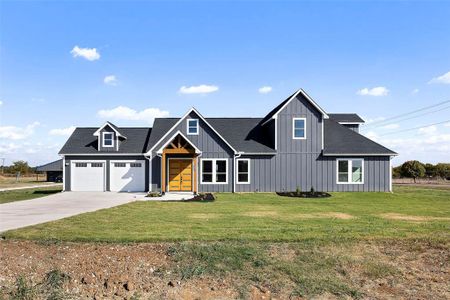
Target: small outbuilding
53, 170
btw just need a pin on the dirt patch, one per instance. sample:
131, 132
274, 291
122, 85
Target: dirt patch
395, 216
204, 216
376, 270
331, 215
260, 214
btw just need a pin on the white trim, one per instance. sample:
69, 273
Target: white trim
304, 128
97, 133
112, 139
187, 126
168, 168
258, 153
323, 133
64, 174
359, 154
180, 120
390, 174
74, 161
349, 170
237, 171
103, 154
160, 151
300, 91
276, 132
214, 170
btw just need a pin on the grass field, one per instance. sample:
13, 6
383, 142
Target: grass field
11, 181
26, 194
410, 212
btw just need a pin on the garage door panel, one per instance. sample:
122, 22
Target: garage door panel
127, 176
88, 176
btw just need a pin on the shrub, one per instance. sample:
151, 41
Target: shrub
413, 169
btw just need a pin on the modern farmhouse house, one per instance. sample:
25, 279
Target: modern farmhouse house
296, 145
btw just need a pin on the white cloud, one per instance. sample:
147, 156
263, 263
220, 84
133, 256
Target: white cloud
376, 91
415, 91
126, 113
444, 79
391, 126
90, 54
447, 124
62, 131
199, 89
265, 89
428, 130
110, 80
8, 148
17, 133
373, 120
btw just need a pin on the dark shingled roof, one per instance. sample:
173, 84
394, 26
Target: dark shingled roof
276, 109
339, 139
56, 165
116, 129
346, 118
83, 141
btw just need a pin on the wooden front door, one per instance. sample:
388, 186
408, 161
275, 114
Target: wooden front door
180, 175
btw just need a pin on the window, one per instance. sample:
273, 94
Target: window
243, 170
135, 165
81, 165
350, 171
96, 165
214, 171
192, 126
299, 128
108, 139
120, 165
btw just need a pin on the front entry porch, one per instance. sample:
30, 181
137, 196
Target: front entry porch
179, 165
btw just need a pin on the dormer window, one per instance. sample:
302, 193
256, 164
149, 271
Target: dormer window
192, 126
108, 139
299, 128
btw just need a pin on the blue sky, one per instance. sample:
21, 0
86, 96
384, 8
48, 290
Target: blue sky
65, 64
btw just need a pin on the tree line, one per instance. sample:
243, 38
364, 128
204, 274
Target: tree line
415, 169
19, 166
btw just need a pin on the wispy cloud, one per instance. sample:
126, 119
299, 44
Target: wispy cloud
444, 79
90, 54
373, 120
199, 89
415, 91
62, 131
376, 91
17, 133
110, 80
126, 113
265, 89
427, 130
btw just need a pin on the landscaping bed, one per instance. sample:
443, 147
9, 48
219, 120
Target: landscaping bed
304, 194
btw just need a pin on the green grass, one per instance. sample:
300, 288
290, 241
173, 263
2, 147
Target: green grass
27, 194
259, 217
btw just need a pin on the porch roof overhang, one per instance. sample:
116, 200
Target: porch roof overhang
164, 146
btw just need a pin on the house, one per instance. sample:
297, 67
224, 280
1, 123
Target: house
53, 170
296, 145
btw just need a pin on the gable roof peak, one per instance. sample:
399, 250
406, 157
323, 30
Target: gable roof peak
114, 127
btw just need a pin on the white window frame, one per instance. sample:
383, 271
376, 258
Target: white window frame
349, 170
293, 129
214, 170
112, 139
237, 170
187, 126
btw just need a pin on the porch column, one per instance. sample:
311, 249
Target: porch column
163, 177
194, 167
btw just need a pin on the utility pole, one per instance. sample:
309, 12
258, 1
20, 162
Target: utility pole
3, 164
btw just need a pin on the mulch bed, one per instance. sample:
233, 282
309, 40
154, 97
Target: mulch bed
304, 194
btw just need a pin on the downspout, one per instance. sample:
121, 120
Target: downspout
239, 154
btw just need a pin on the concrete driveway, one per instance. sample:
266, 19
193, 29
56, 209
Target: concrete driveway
57, 206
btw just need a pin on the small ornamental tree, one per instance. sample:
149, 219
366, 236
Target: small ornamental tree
413, 169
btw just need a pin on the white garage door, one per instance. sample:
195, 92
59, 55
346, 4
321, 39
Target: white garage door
127, 176
88, 176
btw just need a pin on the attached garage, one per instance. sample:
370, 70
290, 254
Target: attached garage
127, 176
88, 176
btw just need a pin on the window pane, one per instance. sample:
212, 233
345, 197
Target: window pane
135, 165
80, 165
221, 177
343, 166
343, 177
299, 133
243, 177
96, 165
207, 166
299, 124
193, 123
221, 166
243, 166
206, 177
192, 130
357, 171
108, 136
119, 165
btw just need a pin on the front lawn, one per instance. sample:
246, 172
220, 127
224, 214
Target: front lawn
27, 194
410, 212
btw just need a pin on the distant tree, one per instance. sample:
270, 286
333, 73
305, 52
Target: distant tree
443, 170
413, 169
396, 172
20, 166
430, 170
